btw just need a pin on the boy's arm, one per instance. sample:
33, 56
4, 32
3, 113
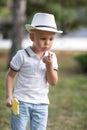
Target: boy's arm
52, 75
9, 86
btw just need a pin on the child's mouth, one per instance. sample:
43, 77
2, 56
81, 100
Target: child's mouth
45, 48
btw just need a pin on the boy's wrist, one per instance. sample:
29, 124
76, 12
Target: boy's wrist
49, 66
9, 96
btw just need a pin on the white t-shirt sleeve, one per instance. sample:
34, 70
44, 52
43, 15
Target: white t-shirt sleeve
16, 61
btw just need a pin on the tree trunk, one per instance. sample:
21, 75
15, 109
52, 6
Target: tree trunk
18, 13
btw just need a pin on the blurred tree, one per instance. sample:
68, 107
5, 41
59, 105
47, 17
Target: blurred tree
18, 11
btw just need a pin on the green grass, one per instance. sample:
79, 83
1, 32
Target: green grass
68, 108
4, 111
68, 100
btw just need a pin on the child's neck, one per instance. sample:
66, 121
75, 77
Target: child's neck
39, 53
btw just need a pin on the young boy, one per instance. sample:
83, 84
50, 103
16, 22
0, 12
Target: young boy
36, 69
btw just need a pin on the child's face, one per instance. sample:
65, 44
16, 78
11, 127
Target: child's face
42, 40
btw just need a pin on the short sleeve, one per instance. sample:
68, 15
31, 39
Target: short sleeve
17, 61
55, 62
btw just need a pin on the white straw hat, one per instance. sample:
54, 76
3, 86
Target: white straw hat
43, 21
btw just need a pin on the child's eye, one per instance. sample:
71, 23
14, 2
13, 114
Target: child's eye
51, 39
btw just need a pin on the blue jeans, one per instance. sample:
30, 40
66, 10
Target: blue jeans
36, 114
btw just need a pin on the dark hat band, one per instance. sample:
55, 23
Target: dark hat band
45, 26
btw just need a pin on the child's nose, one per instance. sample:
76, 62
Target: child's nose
47, 42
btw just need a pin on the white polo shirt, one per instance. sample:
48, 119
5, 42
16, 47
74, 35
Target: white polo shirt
31, 84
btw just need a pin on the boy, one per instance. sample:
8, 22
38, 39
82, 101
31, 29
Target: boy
36, 69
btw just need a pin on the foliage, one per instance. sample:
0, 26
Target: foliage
66, 18
70, 3
82, 12
69, 14
82, 60
4, 12
66, 12
3, 2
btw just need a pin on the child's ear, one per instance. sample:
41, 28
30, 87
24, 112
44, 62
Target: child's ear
32, 36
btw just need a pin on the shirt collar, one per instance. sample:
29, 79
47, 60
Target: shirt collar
32, 53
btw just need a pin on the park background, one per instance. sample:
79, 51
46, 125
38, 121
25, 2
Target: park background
68, 107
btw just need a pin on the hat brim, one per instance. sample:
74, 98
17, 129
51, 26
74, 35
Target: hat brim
30, 27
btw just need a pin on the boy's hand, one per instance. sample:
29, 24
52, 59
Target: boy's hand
48, 59
9, 101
